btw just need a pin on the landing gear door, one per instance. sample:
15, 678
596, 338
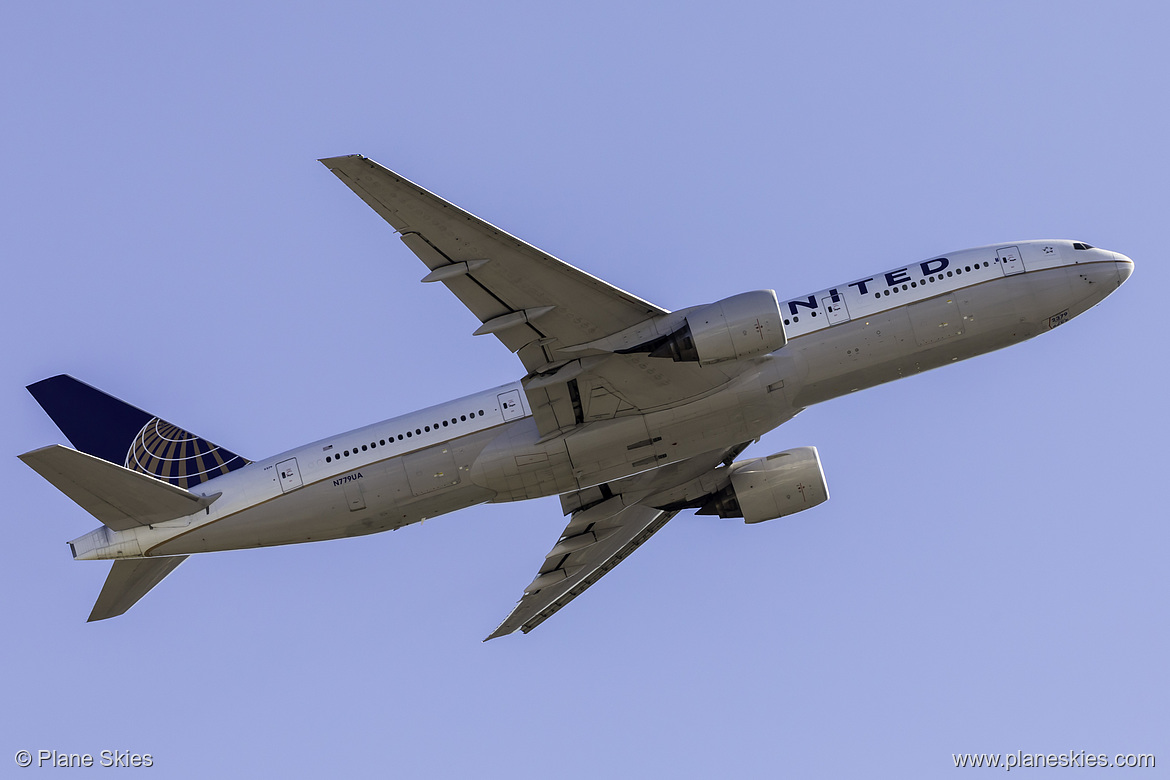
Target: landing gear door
510, 405
1010, 260
290, 475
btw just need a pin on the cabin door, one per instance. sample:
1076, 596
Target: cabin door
510, 404
1010, 260
290, 475
836, 312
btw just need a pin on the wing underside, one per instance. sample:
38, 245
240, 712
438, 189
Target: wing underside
608, 523
534, 303
594, 542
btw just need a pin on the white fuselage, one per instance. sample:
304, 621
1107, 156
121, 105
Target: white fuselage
486, 446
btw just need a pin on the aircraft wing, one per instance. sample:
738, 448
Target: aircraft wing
609, 522
534, 303
595, 541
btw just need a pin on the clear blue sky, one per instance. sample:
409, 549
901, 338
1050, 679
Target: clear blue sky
989, 576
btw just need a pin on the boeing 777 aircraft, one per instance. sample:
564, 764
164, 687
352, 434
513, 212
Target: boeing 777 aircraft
627, 411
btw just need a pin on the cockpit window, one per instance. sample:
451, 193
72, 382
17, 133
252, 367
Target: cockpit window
1079, 245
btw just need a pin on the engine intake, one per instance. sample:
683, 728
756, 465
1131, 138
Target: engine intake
767, 488
742, 326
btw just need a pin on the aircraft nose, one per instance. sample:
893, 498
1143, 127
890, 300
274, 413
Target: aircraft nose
1124, 267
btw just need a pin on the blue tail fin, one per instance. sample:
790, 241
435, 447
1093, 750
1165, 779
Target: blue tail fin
113, 430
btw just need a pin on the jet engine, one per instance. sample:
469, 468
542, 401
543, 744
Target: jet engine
771, 487
734, 328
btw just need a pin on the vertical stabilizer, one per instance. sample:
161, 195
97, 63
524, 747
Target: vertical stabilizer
113, 430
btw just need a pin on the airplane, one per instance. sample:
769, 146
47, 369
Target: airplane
628, 412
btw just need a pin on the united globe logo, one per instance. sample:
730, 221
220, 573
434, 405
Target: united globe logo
168, 452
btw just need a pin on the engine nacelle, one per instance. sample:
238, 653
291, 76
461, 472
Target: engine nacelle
742, 326
766, 488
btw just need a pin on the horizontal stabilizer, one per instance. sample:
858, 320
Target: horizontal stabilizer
129, 580
120, 498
